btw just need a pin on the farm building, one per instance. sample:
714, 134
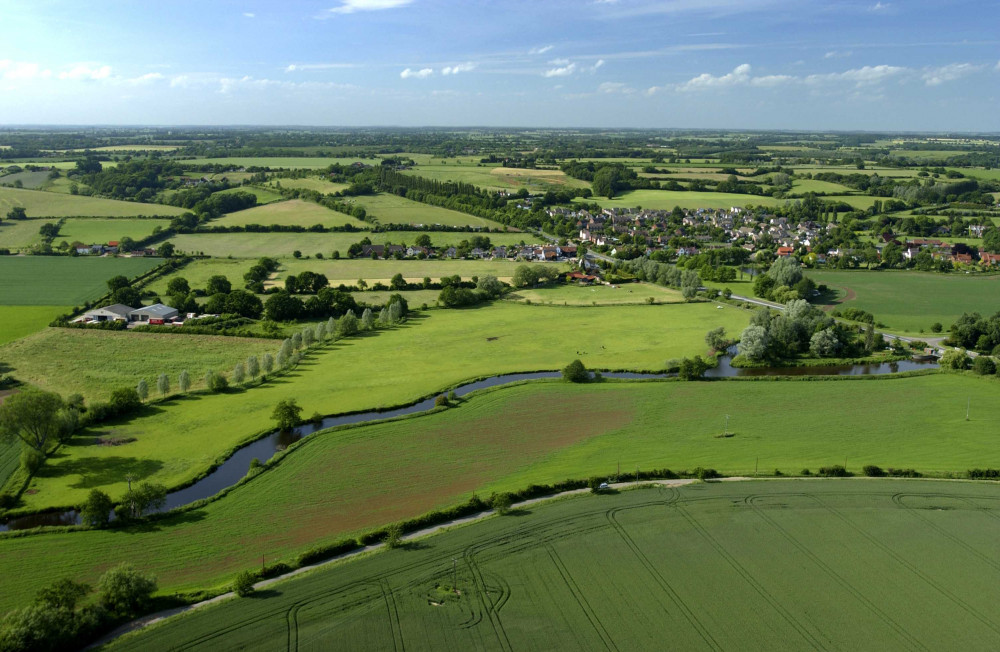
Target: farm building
116, 312
154, 314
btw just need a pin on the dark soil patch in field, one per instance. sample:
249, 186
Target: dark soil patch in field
115, 441
849, 295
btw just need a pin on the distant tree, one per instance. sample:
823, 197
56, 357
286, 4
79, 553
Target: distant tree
393, 536
243, 584
142, 389
243, 303
754, 342
501, 502
892, 254
297, 341
17, 213
785, 271
956, 359
116, 283
348, 325
524, 276
331, 326
142, 498
124, 590
184, 382
218, 284
397, 282
282, 306
319, 332
97, 510
575, 372
239, 373
178, 285
283, 358
33, 416
825, 344
984, 366
166, 250
367, 320
936, 327
253, 367
423, 240
489, 286
267, 363
287, 414
62, 594
163, 384
127, 296
307, 337
216, 382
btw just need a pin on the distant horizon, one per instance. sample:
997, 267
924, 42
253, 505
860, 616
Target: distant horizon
921, 66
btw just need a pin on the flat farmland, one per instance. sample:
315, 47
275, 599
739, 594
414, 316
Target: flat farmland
102, 231
575, 295
432, 351
911, 301
292, 212
19, 321
54, 204
782, 565
263, 195
21, 234
390, 209
62, 359
61, 280
667, 199
275, 162
349, 271
311, 183
28, 179
813, 185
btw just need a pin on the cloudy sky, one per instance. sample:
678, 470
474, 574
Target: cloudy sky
795, 64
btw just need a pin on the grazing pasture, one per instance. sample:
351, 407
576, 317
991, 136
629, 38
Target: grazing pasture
263, 195
21, 234
37, 203
311, 183
667, 199
750, 565
349, 271
575, 295
102, 231
432, 351
61, 280
292, 212
390, 209
278, 162
911, 301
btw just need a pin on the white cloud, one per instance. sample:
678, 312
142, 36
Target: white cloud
353, 6
18, 69
563, 71
837, 54
879, 6
298, 67
558, 62
951, 72
615, 87
598, 64
739, 76
148, 78
771, 80
247, 14
84, 71
462, 67
423, 73
541, 50
864, 76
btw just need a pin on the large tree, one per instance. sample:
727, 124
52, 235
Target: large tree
34, 417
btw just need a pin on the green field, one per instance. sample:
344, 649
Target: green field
497, 178
604, 295
812, 185
349, 271
21, 234
19, 321
911, 301
28, 179
283, 245
433, 351
102, 231
784, 565
390, 209
293, 212
54, 204
10, 453
263, 195
311, 183
667, 199
61, 280
291, 162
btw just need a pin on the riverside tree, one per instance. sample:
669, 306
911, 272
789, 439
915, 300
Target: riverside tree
33, 416
163, 384
287, 414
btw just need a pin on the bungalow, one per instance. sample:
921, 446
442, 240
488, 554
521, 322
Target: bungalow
582, 279
785, 251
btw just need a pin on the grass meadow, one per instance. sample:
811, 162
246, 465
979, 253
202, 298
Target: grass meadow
263, 195
311, 183
102, 231
574, 295
21, 234
755, 565
391, 209
19, 321
911, 301
496, 178
432, 351
276, 162
54, 204
294, 212
506, 439
667, 199
62, 280
349, 271
10, 454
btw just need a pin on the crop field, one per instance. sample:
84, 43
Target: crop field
21, 234
102, 231
63, 359
784, 565
911, 301
667, 199
433, 351
54, 204
60, 281
311, 183
199, 271
263, 195
10, 453
812, 185
19, 321
28, 179
276, 162
399, 210
294, 212
495, 178
574, 295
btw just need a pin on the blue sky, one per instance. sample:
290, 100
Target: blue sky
874, 64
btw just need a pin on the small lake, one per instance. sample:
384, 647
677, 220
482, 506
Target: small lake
235, 468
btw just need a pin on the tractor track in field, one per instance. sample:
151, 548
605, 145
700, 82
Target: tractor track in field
915, 511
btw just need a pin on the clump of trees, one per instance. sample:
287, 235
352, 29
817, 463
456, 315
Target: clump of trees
973, 331
783, 282
686, 280
575, 372
488, 288
799, 330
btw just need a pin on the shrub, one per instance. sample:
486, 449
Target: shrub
393, 536
575, 372
705, 474
983, 474
31, 459
97, 510
124, 590
805, 472
873, 471
984, 366
835, 471
441, 401
243, 584
501, 502
216, 382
